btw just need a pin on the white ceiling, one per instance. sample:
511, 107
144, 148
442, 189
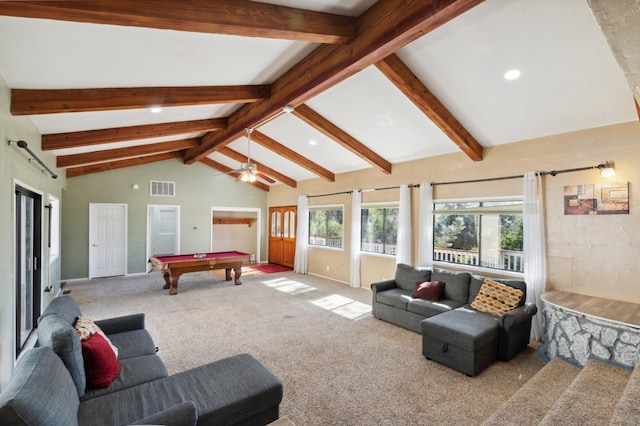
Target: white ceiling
570, 80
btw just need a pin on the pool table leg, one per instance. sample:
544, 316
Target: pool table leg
171, 281
237, 272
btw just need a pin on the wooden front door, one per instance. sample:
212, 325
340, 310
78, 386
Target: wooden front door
282, 235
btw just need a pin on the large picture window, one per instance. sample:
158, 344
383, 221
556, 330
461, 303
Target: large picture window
326, 227
484, 233
379, 229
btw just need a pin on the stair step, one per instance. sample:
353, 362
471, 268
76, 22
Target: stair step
535, 398
591, 398
628, 410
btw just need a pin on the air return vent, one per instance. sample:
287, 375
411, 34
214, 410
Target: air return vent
163, 189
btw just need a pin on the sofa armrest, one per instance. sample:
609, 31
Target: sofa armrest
121, 324
517, 316
183, 414
383, 285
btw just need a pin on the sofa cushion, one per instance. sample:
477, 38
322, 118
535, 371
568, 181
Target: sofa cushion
407, 276
429, 308
133, 372
224, 392
496, 298
40, 393
474, 286
395, 297
430, 290
133, 343
462, 327
64, 306
101, 365
456, 284
57, 333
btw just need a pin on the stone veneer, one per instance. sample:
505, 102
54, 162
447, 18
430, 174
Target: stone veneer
578, 337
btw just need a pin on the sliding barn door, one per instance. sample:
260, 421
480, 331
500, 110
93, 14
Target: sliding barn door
282, 235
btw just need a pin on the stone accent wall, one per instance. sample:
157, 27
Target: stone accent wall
579, 337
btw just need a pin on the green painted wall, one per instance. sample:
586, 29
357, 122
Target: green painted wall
198, 189
16, 168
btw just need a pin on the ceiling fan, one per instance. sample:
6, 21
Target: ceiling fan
248, 171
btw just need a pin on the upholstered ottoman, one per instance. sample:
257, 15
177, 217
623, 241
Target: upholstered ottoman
462, 339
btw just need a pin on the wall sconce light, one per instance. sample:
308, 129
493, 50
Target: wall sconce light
607, 169
135, 186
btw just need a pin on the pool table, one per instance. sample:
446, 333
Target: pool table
175, 265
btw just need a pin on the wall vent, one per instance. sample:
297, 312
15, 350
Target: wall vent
163, 189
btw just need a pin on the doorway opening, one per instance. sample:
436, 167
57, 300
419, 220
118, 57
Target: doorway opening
237, 228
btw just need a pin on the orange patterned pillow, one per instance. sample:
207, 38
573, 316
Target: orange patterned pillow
496, 298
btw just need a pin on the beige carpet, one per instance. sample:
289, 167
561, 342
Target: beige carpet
339, 365
544, 388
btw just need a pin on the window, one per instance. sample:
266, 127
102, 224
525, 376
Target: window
482, 233
325, 226
379, 229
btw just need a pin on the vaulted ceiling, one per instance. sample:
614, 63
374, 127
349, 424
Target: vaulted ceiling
342, 86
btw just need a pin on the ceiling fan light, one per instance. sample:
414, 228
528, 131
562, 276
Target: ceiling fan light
245, 177
252, 178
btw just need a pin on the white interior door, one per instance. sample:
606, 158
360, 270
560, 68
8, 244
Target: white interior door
164, 230
107, 240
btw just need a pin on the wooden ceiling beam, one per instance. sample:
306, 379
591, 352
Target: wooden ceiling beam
121, 134
404, 79
229, 171
292, 156
235, 155
120, 153
317, 121
233, 17
383, 29
121, 164
37, 101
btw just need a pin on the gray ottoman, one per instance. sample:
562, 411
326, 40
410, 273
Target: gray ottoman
462, 339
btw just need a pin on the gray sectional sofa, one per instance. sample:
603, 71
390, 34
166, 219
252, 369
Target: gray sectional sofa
49, 387
453, 333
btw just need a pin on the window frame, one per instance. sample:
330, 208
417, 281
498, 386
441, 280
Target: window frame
376, 205
477, 211
327, 207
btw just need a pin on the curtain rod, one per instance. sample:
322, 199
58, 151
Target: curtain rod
413, 185
608, 164
549, 173
25, 146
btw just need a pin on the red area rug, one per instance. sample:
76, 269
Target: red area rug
270, 268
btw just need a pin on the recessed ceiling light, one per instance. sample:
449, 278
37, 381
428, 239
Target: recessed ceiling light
313, 142
512, 74
156, 109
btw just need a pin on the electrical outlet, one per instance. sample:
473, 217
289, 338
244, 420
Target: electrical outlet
327, 267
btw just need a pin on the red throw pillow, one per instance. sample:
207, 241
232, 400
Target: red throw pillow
430, 290
100, 363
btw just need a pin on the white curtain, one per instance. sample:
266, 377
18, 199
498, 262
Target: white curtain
535, 260
301, 262
425, 242
356, 225
403, 250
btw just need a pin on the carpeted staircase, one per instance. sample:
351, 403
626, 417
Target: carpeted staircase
563, 394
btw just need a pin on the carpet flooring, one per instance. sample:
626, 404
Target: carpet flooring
338, 364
